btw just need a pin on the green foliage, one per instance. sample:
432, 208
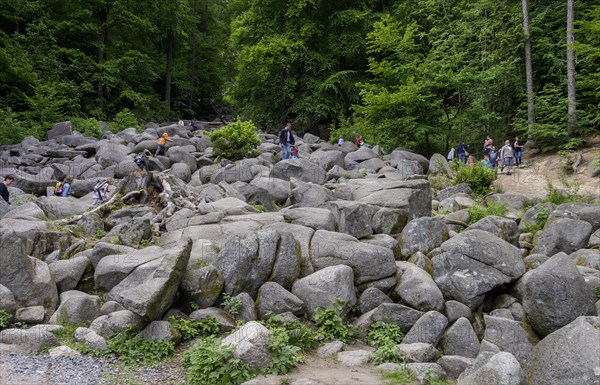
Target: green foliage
189, 328
12, 128
477, 177
235, 141
558, 197
232, 304
122, 120
299, 334
210, 363
332, 326
88, 127
385, 336
541, 217
5, 318
286, 356
477, 212
598, 292
258, 206
135, 350
399, 377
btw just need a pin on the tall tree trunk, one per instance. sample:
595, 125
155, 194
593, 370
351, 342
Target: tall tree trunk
169, 68
528, 70
571, 69
193, 61
101, 57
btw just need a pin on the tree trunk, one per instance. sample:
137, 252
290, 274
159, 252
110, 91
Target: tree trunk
571, 69
528, 70
169, 68
101, 58
193, 61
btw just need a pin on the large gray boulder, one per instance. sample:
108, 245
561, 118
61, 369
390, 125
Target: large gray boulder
108, 154
501, 227
76, 307
535, 215
250, 259
115, 322
568, 356
428, 329
201, 284
309, 194
112, 269
329, 288
513, 202
57, 207
510, 336
368, 262
250, 343
352, 218
303, 236
27, 341
150, 289
582, 211
460, 340
273, 299
417, 288
501, 369
313, 217
243, 171
563, 234
399, 155
7, 300
422, 234
28, 278
327, 159
555, 294
302, 169
474, 262
67, 273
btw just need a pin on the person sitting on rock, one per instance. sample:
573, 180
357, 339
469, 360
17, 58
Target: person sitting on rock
8, 180
294, 152
66, 187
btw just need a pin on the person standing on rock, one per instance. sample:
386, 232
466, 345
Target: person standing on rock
286, 139
162, 142
8, 180
461, 149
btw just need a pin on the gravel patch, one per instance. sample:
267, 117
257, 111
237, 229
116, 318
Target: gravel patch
16, 369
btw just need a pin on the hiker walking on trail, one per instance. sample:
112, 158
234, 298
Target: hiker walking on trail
8, 180
518, 147
162, 141
461, 149
101, 190
507, 154
286, 140
488, 144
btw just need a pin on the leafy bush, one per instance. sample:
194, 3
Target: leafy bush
12, 128
478, 177
210, 363
299, 334
232, 304
286, 356
136, 350
541, 218
477, 213
189, 328
235, 141
5, 318
332, 326
385, 336
559, 197
123, 120
88, 127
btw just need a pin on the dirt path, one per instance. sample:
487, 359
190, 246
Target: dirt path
531, 179
326, 371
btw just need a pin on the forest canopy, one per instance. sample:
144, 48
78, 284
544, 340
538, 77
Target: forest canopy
420, 77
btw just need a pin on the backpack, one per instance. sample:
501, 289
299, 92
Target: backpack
100, 185
58, 188
139, 159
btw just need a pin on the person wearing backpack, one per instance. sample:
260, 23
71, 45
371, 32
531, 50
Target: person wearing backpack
101, 190
65, 187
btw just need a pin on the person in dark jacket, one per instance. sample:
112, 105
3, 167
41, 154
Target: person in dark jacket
286, 139
8, 180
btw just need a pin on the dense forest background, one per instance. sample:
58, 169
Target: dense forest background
418, 74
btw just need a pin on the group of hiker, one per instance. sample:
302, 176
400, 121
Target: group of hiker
510, 154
